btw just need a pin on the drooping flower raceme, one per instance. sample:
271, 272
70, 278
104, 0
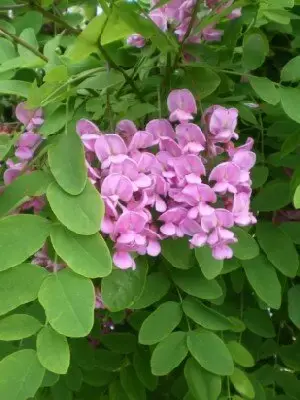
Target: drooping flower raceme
172, 179
177, 14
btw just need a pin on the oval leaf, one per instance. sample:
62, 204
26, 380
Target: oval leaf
210, 267
210, 352
18, 326
293, 305
157, 285
246, 246
68, 300
81, 214
53, 350
86, 255
265, 89
160, 323
240, 355
242, 384
67, 163
20, 237
290, 98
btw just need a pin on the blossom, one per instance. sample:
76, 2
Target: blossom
30, 118
136, 40
182, 105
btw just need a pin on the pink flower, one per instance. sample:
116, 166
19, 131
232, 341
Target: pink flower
89, 133
172, 219
182, 105
160, 128
227, 176
136, 40
190, 138
159, 18
188, 168
110, 149
240, 210
210, 34
222, 124
30, 118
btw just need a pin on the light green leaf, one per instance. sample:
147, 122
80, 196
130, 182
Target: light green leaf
18, 326
263, 278
202, 384
210, 267
290, 98
240, 354
22, 188
255, 49
20, 237
102, 80
210, 352
291, 70
53, 350
274, 196
13, 87
157, 285
205, 316
242, 384
28, 36
193, 282
122, 288
296, 199
68, 167
53, 124
293, 305
169, 353
7, 50
177, 253
160, 323
68, 300
20, 285
265, 89
131, 385
58, 73
87, 207
86, 255
259, 322
246, 246
278, 247
21, 375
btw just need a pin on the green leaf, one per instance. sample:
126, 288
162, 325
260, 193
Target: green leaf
203, 81
131, 385
160, 323
242, 383
210, 267
274, 196
293, 305
240, 354
74, 378
141, 363
292, 229
246, 246
116, 391
157, 285
68, 300
296, 199
86, 255
193, 282
122, 288
13, 87
88, 208
290, 98
265, 89
110, 361
255, 49
20, 237
58, 73
68, 167
169, 353
259, 322
54, 123
18, 326
28, 36
22, 188
205, 316
21, 375
7, 50
259, 175
20, 285
177, 253
291, 71
202, 384
263, 278
278, 247
53, 350
210, 352
102, 80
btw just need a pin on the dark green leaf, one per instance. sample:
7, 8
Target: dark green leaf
177, 253
290, 98
255, 49
293, 304
141, 363
240, 354
274, 196
259, 322
265, 89
131, 385
210, 267
246, 246
157, 285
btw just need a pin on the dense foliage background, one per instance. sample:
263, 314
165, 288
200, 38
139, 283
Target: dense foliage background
181, 325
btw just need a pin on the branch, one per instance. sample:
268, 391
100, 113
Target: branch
21, 42
12, 7
53, 17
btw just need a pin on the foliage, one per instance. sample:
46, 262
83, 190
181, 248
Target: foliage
181, 325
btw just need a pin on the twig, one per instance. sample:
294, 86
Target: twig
12, 7
21, 42
53, 17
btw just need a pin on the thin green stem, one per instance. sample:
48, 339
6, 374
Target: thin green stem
12, 7
22, 42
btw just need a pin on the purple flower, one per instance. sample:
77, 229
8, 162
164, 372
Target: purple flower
182, 105
222, 124
136, 40
110, 149
190, 138
30, 118
227, 176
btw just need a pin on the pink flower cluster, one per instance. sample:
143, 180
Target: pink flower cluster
27, 143
177, 15
171, 180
